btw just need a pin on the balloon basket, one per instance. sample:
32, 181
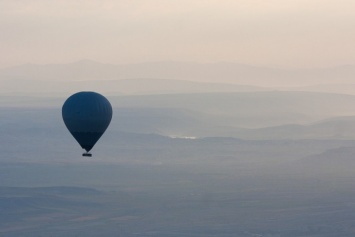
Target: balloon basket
87, 154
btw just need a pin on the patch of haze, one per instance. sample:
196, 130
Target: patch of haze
286, 33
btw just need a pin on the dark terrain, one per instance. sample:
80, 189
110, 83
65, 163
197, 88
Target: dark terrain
166, 169
147, 200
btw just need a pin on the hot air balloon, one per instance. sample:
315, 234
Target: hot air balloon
87, 115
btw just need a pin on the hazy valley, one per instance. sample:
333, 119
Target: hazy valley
180, 158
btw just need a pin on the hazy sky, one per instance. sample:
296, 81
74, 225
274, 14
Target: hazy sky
291, 33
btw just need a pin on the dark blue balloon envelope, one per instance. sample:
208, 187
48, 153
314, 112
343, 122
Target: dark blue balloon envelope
87, 116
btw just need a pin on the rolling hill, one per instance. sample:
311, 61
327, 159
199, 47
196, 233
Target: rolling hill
222, 72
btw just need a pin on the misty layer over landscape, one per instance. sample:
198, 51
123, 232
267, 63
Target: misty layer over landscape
184, 155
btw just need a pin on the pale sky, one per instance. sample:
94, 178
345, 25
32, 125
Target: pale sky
282, 33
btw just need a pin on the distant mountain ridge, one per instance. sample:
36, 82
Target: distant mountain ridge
222, 72
174, 123
334, 128
330, 163
22, 87
235, 109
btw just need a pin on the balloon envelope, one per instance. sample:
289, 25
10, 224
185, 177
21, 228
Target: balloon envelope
87, 116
